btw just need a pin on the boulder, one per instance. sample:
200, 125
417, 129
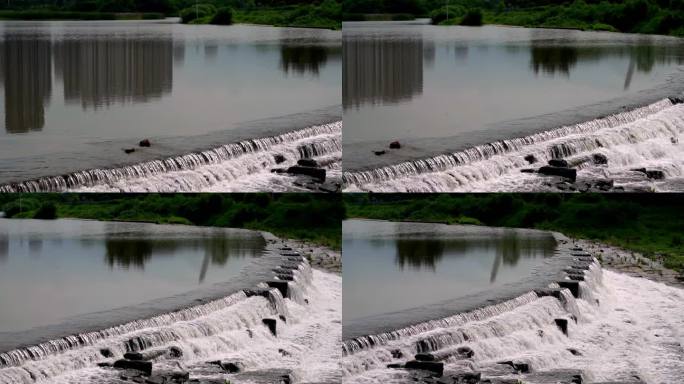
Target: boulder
129, 150
562, 324
599, 159
145, 143
568, 173
553, 292
573, 286
317, 173
146, 355
106, 352
562, 163
307, 163
394, 366
425, 357
379, 153
278, 158
143, 366
531, 159
528, 170
271, 324
676, 100
462, 378
280, 285
175, 352
435, 367
395, 145
519, 367
465, 352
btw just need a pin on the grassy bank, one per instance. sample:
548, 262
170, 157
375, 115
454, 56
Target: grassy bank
315, 218
326, 14
664, 17
71, 15
650, 224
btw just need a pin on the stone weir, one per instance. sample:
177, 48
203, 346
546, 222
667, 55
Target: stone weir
467, 347
152, 349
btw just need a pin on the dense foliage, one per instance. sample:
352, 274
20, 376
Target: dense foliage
319, 13
639, 16
651, 224
303, 216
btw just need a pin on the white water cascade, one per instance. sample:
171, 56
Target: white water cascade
244, 166
620, 328
306, 344
646, 137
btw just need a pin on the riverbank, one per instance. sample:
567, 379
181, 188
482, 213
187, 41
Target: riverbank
647, 224
74, 15
326, 15
311, 218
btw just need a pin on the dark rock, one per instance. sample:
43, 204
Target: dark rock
284, 352
519, 367
283, 318
395, 145
175, 352
395, 366
316, 173
561, 163
604, 185
271, 324
674, 140
396, 354
574, 352
145, 143
106, 352
379, 153
568, 173
528, 170
435, 367
676, 100
280, 285
146, 355
462, 378
549, 292
256, 292
231, 367
143, 366
425, 357
562, 324
531, 159
599, 158
278, 170
655, 174
307, 163
104, 365
129, 150
278, 158
466, 352
573, 286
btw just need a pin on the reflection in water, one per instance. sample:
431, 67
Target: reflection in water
4, 247
103, 72
136, 252
382, 71
553, 60
94, 72
301, 59
426, 253
27, 77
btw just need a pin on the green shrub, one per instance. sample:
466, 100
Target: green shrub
195, 12
472, 18
47, 211
223, 16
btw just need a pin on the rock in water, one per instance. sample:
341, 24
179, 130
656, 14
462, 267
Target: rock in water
437, 368
531, 159
599, 158
317, 173
379, 153
145, 143
143, 366
568, 173
395, 145
271, 324
129, 150
278, 158
559, 163
307, 163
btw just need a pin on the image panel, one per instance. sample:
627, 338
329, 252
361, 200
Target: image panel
512, 288
172, 105
432, 106
209, 288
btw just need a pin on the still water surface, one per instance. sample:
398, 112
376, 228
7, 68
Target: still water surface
448, 88
52, 270
73, 94
391, 267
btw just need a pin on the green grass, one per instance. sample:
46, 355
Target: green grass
68, 15
652, 225
315, 218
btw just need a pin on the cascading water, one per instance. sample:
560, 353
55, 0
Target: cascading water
303, 344
607, 327
647, 137
244, 166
